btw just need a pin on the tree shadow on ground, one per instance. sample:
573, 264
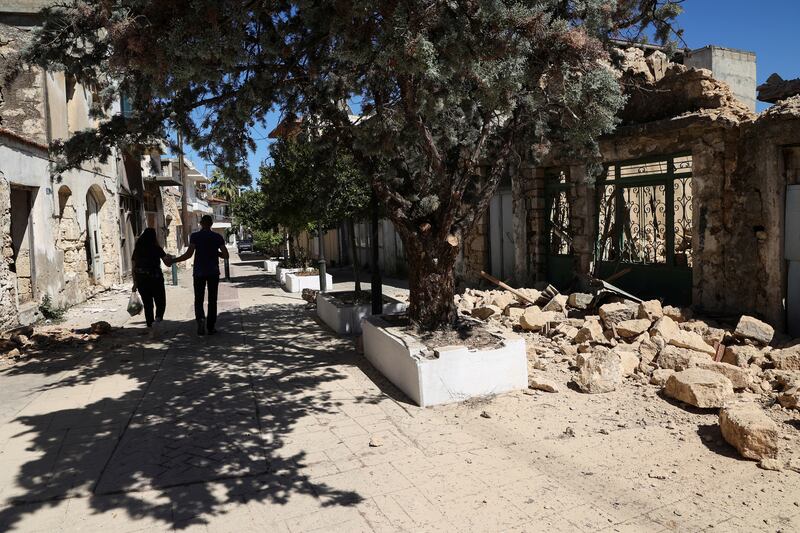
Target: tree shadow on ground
256, 281
711, 437
159, 421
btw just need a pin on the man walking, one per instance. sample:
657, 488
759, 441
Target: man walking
208, 247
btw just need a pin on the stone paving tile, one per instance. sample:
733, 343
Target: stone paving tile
325, 519
367, 481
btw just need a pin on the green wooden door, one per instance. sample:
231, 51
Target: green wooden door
645, 227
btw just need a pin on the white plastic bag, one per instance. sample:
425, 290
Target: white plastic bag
135, 305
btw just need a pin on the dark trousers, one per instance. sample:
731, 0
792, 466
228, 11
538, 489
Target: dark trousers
151, 289
200, 283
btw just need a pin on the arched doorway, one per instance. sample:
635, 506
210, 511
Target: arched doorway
94, 242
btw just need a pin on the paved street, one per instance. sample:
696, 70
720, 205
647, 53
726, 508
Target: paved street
267, 427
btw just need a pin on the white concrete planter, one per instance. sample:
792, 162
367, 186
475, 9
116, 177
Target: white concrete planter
345, 319
457, 374
271, 265
295, 283
280, 273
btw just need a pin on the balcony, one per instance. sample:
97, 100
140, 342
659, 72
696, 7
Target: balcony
200, 206
164, 180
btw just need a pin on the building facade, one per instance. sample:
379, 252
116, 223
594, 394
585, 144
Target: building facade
687, 203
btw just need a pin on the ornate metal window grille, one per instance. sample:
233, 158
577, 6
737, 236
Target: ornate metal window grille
645, 212
559, 227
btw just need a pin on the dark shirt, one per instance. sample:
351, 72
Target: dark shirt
206, 253
148, 262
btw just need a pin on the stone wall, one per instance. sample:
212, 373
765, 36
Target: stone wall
767, 163
8, 308
739, 178
475, 254
171, 204
71, 242
535, 215
22, 106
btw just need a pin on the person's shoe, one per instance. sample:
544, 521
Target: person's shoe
212, 330
159, 318
201, 327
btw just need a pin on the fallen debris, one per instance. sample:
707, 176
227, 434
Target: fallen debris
542, 384
745, 427
600, 372
700, 388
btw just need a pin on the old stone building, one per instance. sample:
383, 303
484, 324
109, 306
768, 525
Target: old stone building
686, 202
65, 236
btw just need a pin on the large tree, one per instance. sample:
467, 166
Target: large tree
453, 94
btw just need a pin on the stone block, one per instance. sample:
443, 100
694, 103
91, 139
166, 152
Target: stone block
665, 327
691, 341
660, 376
675, 358
614, 313
740, 377
592, 331
533, 319
700, 388
485, 311
746, 427
739, 355
632, 328
600, 372
650, 310
557, 304
580, 300
754, 329
787, 358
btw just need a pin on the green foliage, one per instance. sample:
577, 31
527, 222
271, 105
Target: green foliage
268, 242
49, 310
249, 210
310, 183
224, 185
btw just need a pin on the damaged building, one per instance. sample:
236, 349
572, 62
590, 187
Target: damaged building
686, 204
65, 236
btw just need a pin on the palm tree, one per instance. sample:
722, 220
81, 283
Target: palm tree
223, 186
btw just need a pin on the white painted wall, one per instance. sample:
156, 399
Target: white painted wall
25, 167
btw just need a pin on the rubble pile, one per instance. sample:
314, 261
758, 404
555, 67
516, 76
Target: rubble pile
698, 363
26, 341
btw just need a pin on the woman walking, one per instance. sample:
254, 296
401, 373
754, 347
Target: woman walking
147, 276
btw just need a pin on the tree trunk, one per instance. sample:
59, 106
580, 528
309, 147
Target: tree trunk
351, 230
432, 284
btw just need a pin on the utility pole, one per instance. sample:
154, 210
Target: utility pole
184, 193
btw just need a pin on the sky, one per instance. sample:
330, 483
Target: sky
767, 27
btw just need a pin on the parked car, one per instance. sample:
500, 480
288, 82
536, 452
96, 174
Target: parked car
244, 245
